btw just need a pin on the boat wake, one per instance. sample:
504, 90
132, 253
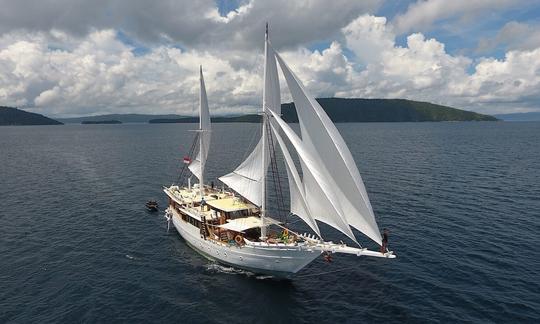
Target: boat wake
218, 268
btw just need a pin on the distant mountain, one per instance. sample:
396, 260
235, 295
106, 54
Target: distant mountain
14, 116
124, 118
342, 110
232, 119
93, 122
530, 116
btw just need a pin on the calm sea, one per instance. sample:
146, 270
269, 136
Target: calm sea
461, 201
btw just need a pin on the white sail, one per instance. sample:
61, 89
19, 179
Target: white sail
299, 205
247, 178
197, 165
326, 207
322, 139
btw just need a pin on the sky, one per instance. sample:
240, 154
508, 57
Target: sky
67, 58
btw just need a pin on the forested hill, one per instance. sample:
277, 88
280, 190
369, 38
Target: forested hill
342, 110
124, 118
14, 116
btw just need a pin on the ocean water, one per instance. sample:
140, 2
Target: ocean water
461, 201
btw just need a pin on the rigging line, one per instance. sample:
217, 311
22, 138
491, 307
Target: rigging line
275, 173
185, 165
254, 136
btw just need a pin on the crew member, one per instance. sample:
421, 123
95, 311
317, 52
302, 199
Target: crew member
203, 203
384, 246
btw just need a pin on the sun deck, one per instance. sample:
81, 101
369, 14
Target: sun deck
230, 204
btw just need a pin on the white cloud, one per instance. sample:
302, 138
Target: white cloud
513, 35
193, 24
101, 74
61, 73
369, 37
423, 13
425, 71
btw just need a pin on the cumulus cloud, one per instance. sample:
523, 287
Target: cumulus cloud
194, 24
56, 70
423, 13
423, 70
101, 74
513, 35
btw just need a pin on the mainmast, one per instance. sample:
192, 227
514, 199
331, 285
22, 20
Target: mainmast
201, 138
264, 140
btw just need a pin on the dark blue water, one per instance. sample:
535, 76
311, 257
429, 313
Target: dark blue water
462, 202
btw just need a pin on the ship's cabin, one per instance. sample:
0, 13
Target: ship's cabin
224, 217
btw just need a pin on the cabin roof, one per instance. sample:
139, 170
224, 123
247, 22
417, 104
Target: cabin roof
230, 204
245, 223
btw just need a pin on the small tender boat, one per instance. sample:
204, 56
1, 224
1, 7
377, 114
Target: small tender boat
152, 205
233, 225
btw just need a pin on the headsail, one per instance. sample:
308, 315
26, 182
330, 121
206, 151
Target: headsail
247, 178
326, 207
197, 165
299, 205
321, 138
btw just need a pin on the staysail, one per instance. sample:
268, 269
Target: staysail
247, 178
326, 207
322, 139
197, 165
299, 205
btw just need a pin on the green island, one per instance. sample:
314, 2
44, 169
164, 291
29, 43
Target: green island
343, 110
16, 117
340, 110
354, 110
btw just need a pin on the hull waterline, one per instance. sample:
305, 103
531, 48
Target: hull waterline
281, 261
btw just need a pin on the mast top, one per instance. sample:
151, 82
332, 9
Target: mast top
266, 31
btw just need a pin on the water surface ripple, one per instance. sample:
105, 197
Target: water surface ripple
461, 201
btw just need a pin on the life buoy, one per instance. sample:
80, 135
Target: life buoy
285, 232
239, 239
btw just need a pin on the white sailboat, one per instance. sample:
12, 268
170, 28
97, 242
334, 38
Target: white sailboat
233, 226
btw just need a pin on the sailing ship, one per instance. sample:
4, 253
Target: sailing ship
234, 226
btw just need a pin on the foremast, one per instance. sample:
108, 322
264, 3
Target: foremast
264, 139
197, 166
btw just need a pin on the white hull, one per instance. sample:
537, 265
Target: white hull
280, 260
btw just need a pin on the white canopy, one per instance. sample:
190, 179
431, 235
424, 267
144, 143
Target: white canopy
245, 223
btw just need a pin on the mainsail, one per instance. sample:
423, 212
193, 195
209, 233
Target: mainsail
247, 179
197, 165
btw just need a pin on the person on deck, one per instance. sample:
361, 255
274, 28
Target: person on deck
203, 203
384, 246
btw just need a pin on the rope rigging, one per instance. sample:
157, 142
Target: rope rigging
180, 180
276, 179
